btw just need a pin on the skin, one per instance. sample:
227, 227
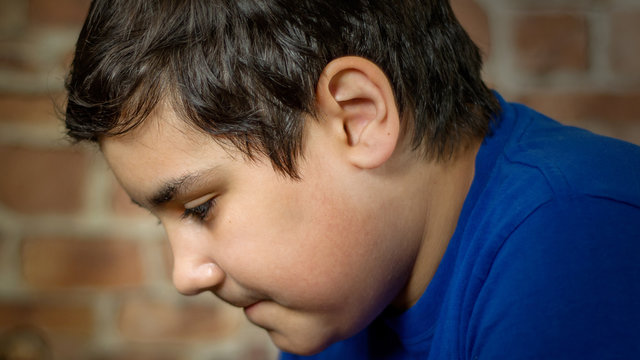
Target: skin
315, 260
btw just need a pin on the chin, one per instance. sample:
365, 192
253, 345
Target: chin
299, 346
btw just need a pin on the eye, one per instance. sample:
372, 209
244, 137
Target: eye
200, 212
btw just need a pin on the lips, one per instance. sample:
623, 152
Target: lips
238, 301
259, 315
251, 306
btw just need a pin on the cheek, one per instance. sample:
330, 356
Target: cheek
310, 245
306, 248
291, 237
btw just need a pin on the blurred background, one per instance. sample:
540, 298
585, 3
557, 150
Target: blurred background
84, 274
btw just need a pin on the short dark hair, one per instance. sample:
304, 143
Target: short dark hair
246, 70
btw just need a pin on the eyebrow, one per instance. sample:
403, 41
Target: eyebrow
170, 189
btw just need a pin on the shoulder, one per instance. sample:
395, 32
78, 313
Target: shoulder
565, 283
557, 247
544, 161
575, 161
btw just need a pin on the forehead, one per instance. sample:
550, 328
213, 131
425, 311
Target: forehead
161, 149
162, 125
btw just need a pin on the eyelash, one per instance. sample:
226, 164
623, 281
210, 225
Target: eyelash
200, 212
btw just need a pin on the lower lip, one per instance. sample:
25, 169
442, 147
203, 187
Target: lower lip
250, 308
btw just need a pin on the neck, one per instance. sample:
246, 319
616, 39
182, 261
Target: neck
447, 187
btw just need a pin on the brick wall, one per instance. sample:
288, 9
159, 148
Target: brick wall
85, 275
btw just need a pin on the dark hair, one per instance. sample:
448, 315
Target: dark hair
246, 70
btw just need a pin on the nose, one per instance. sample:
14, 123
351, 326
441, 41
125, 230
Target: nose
193, 276
193, 270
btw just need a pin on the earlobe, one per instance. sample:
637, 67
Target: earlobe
355, 98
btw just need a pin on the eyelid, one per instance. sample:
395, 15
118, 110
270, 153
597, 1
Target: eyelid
199, 201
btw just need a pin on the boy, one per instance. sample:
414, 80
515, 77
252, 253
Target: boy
339, 170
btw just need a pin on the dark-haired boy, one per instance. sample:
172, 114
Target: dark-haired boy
340, 171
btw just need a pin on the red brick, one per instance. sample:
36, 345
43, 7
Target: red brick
558, 5
42, 181
36, 59
4, 264
258, 351
550, 42
167, 260
154, 321
65, 326
25, 343
28, 109
59, 12
615, 115
12, 16
57, 317
625, 42
474, 20
51, 263
152, 352
575, 107
15, 54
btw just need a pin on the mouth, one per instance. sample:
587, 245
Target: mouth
249, 308
236, 302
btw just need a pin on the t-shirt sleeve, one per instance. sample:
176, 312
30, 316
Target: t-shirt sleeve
564, 285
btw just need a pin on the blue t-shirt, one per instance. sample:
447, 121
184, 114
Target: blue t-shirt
544, 262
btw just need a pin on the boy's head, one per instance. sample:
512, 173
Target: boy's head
194, 103
246, 70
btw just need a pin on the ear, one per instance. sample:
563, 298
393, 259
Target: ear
358, 104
